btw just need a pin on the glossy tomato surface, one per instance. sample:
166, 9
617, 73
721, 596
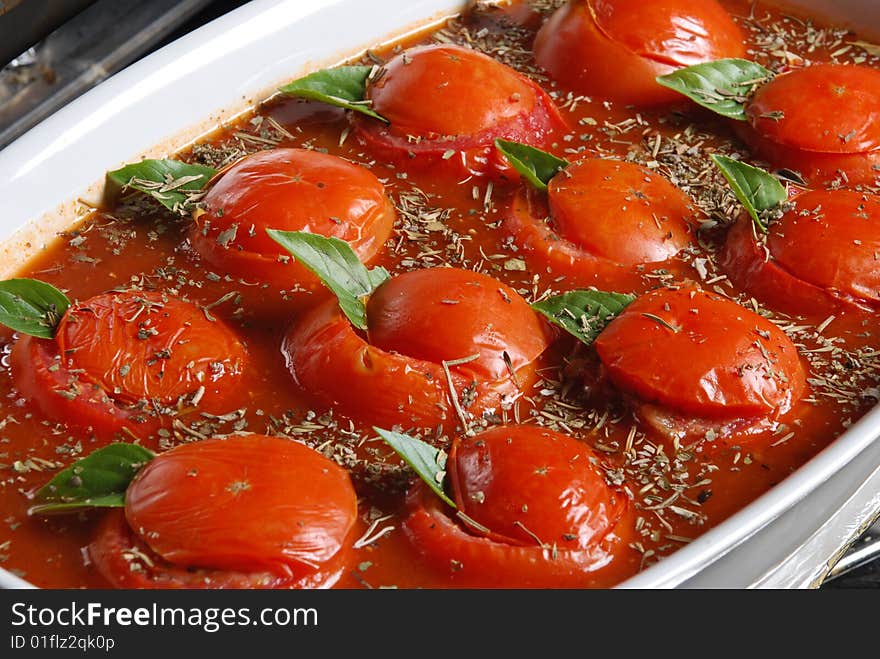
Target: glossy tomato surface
537, 512
126, 561
820, 120
416, 321
249, 503
820, 254
523, 483
119, 357
697, 353
616, 48
620, 211
290, 190
446, 106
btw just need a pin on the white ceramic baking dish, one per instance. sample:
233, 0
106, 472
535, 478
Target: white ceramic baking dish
165, 101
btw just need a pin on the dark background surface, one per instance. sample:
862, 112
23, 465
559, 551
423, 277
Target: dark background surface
65, 47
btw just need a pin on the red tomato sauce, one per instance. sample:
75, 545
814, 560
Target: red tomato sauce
676, 491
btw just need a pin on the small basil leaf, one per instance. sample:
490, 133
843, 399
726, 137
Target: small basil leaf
536, 166
31, 307
343, 86
428, 462
335, 263
757, 190
583, 313
172, 183
722, 86
97, 481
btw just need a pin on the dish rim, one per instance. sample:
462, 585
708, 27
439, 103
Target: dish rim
105, 108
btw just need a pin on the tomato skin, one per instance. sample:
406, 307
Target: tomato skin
711, 367
620, 211
837, 130
337, 367
118, 356
248, 503
291, 190
521, 482
483, 317
454, 99
513, 478
34, 365
606, 217
819, 255
617, 48
125, 561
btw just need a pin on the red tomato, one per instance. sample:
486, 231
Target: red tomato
617, 48
819, 255
697, 354
416, 321
291, 190
448, 104
820, 121
551, 517
249, 508
606, 216
130, 360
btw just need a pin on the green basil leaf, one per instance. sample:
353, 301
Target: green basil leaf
97, 481
31, 306
722, 86
428, 462
172, 183
335, 263
343, 86
536, 166
757, 190
583, 313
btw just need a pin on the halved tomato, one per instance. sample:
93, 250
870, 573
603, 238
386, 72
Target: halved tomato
248, 511
682, 353
820, 255
537, 512
599, 219
416, 321
617, 48
446, 106
822, 121
290, 190
130, 360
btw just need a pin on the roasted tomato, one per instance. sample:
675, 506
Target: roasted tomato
245, 512
290, 190
605, 218
416, 322
617, 48
820, 255
691, 361
822, 121
447, 105
536, 512
130, 361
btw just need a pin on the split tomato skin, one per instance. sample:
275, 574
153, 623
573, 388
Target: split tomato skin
447, 104
247, 505
394, 374
289, 190
617, 48
552, 519
700, 355
820, 121
819, 257
606, 217
119, 356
